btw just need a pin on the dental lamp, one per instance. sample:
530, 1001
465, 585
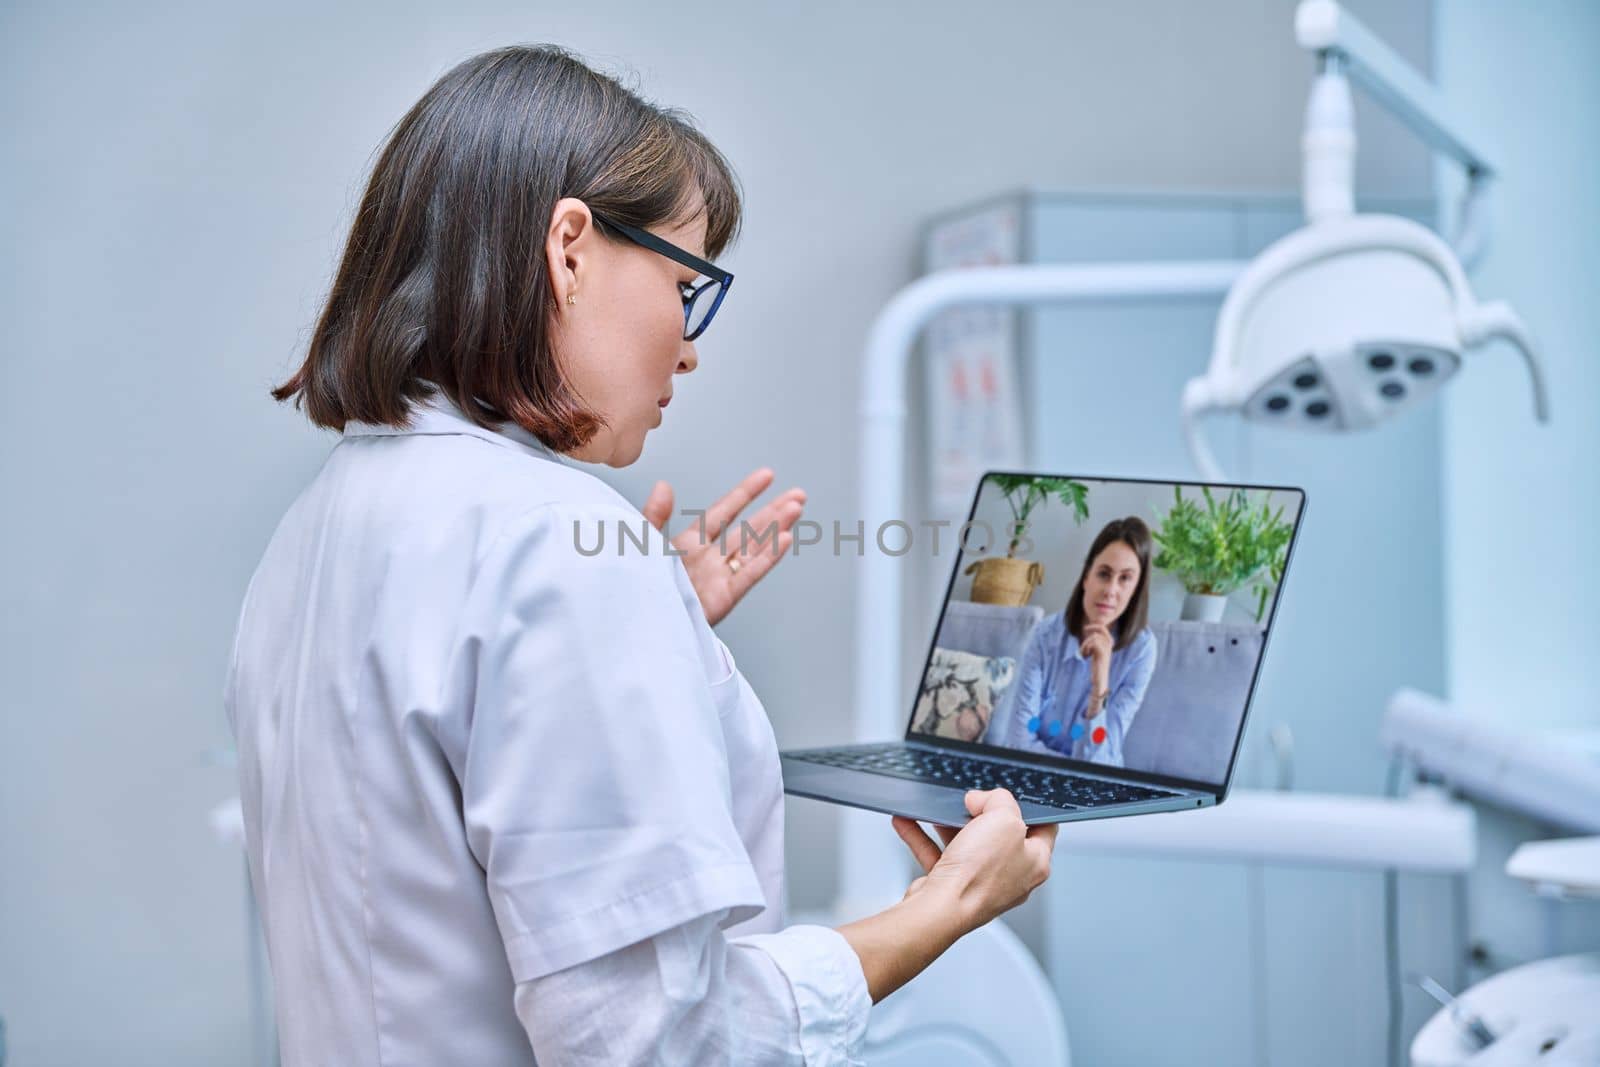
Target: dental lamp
1354, 318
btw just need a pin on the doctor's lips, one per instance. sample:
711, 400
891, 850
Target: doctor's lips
664, 401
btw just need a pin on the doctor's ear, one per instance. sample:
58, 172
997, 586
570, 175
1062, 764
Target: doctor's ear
569, 247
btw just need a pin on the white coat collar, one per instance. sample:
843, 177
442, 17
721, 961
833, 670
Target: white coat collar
439, 415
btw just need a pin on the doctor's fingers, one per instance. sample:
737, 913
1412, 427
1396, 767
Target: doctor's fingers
994, 802
725, 510
917, 840
756, 560
657, 507
780, 513
1040, 845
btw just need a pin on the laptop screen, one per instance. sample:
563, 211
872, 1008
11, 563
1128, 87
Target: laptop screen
1113, 623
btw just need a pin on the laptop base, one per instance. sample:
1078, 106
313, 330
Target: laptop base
943, 805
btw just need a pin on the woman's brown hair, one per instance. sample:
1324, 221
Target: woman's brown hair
1132, 532
444, 282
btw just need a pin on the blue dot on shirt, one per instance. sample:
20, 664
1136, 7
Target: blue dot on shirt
1077, 730
1033, 724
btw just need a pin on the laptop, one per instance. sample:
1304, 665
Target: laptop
1101, 664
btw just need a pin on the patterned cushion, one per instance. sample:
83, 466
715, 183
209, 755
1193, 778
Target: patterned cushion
960, 692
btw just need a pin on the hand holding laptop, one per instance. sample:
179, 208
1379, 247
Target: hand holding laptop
986, 868
982, 867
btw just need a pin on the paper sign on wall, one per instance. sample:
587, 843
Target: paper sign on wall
974, 412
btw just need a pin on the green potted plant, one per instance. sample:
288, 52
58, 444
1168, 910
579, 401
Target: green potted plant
1006, 579
1269, 581
1219, 548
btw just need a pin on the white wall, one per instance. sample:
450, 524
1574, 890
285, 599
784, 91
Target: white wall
1522, 501
179, 178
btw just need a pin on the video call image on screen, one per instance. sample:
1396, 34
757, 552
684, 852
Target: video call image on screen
1122, 627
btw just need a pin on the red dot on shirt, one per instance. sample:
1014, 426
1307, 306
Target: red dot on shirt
1099, 734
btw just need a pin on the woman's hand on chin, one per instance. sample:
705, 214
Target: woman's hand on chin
1095, 646
709, 558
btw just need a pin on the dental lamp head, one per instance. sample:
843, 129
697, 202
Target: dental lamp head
1350, 321
1355, 318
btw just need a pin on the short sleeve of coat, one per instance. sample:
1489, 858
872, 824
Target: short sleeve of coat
594, 774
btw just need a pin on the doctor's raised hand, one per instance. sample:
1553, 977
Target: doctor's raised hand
726, 555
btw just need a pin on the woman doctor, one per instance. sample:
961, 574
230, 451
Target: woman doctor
507, 797
1085, 669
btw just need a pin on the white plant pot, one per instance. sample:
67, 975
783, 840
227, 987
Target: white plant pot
1203, 607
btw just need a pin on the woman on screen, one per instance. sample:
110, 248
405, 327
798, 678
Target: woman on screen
1085, 669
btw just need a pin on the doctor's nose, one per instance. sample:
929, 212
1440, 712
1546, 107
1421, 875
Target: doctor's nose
688, 358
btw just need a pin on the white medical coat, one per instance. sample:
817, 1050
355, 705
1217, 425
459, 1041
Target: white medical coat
477, 765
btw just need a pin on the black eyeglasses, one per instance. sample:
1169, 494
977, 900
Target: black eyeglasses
700, 302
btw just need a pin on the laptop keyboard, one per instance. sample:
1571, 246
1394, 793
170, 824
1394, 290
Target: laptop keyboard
1055, 788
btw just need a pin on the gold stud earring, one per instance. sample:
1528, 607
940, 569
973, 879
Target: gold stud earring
571, 299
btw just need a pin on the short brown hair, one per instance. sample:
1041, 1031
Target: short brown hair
444, 283
1132, 532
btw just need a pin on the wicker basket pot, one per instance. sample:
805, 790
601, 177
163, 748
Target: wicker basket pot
1003, 580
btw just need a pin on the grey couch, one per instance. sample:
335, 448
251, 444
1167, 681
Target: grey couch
1190, 715
987, 629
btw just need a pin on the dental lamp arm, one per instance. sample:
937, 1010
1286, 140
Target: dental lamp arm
1470, 235
1196, 403
1324, 27
1328, 146
1347, 51
1496, 319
